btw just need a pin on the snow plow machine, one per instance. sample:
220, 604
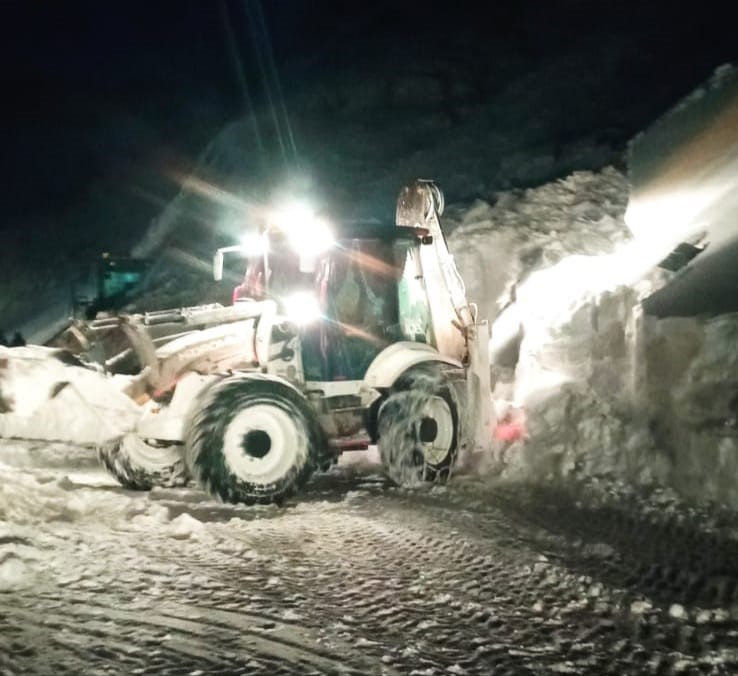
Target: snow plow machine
337, 338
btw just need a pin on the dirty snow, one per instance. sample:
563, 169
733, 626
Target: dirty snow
605, 391
355, 577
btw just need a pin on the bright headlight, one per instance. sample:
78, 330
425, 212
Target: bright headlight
312, 238
302, 307
308, 235
294, 215
254, 244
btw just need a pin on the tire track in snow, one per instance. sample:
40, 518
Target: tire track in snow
189, 632
80, 640
393, 581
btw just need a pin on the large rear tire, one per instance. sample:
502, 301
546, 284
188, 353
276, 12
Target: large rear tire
253, 440
418, 427
140, 465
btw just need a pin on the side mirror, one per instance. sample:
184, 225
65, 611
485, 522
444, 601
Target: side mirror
218, 266
428, 239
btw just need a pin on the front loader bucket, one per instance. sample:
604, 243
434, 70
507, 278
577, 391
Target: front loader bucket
684, 198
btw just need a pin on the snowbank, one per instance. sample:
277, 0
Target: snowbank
606, 391
637, 399
691, 394
496, 247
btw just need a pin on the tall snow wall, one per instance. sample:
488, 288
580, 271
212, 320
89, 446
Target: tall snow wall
606, 391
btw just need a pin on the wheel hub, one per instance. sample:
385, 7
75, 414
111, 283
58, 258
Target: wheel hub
428, 430
436, 431
262, 443
256, 443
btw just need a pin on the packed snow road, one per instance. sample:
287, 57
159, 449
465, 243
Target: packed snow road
355, 577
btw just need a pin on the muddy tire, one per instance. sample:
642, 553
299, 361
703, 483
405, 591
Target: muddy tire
140, 465
418, 428
253, 440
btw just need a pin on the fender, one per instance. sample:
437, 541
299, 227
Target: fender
169, 423
255, 375
394, 360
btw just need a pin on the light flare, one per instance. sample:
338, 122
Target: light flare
254, 244
308, 234
302, 307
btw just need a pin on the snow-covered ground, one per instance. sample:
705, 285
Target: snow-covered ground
355, 577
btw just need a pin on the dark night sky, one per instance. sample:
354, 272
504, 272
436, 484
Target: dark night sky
113, 90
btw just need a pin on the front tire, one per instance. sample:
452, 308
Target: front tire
140, 465
418, 428
253, 440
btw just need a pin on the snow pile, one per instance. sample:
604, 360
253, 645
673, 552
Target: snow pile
32, 497
47, 394
497, 246
577, 380
46, 510
27, 499
691, 393
605, 391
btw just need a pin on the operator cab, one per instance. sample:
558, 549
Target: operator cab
350, 301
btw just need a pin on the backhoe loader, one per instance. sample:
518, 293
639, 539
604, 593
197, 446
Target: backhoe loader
339, 337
